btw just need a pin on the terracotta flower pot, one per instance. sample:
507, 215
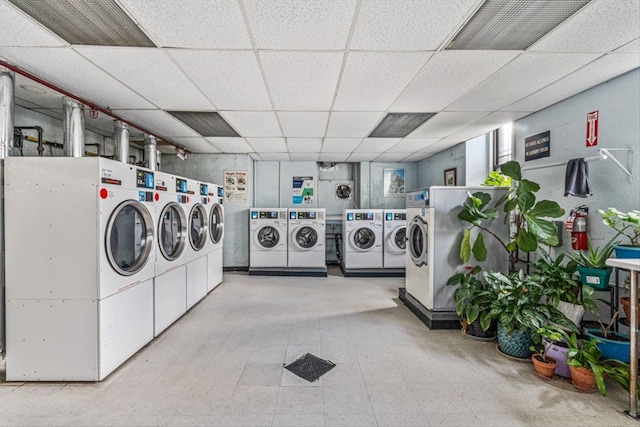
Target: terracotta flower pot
583, 379
626, 306
545, 369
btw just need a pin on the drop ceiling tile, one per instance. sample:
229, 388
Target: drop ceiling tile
447, 122
300, 24
601, 26
304, 157
196, 145
362, 157
253, 123
197, 23
275, 157
410, 25
432, 89
304, 145
158, 122
373, 80
521, 77
633, 46
421, 155
270, 145
255, 156
230, 79
66, 69
231, 145
303, 124
19, 29
391, 157
592, 74
333, 157
486, 124
411, 145
39, 96
352, 124
152, 74
340, 145
379, 145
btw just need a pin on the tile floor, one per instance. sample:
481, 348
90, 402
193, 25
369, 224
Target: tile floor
221, 365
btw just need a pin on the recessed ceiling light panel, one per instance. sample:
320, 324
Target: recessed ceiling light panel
399, 125
205, 123
514, 24
86, 22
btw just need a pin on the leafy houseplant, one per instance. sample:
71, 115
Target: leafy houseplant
473, 302
613, 345
626, 224
592, 265
529, 216
519, 312
497, 179
542, 363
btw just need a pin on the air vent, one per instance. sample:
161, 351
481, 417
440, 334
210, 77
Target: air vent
205, 123
399, 125
513, 25
86, 22
343, 192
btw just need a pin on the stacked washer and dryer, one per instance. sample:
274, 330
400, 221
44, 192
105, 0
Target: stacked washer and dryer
79, 296
433, 223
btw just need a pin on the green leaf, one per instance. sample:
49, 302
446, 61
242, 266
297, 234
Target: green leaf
526, 241
491, 213
512, 170
511, 246
526, 200
465, 246
546, 208
504, 198
541, 228
531, 186
479, 248
510, 205
472, 312
483, 198
468, 217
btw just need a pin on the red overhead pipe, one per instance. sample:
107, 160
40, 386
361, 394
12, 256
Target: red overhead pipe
91, 105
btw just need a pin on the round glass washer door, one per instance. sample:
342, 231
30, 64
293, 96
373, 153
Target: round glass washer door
172, 231
198, 227
397, 240
363, 239
129, 237
418, 238
216, 223
305, 237
267, 237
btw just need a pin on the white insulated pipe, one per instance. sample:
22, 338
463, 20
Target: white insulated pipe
121, 141
7, 85
151, 151
73, 124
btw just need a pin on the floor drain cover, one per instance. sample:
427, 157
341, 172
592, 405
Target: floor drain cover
310, 367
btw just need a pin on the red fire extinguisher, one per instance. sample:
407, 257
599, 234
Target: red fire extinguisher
579, 229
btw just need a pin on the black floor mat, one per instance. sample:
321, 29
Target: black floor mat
310, 367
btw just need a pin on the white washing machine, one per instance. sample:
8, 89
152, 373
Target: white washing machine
362, 238
198, 232
170, 282
216, 235
307, 238
419, 246
79, 292
395, 238
267, 238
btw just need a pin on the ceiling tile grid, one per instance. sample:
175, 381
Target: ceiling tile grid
407, 24
153, 75
300, 24
486, 124
302, 80
340, 145
159, 122
411, 145
352, 124
333, 157
253, 123
230, 145
391, 157
376, 145
303, 124
373, 80
197, 145
304, 157
268, 145
447, 122
231, 80
192, 24
362, 157
20, 30
275, 157
304, 145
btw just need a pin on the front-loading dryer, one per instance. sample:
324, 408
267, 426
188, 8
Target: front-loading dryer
198, 238
419, 246
395, 238
82, 303
170, 282
216, 236
307, 238
267, 238
362, 239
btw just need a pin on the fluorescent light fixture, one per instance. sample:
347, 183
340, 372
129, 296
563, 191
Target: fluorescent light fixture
206, 123
399, 125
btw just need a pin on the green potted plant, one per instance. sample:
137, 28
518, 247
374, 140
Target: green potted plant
626, 224
473, 302
519, 310
543, 364
613, 345
592, 265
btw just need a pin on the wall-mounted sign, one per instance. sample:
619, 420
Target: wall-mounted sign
537, 146
592, 129
394, 183
235, 186
303, 190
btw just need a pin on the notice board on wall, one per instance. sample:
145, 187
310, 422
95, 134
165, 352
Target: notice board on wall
235, 186
303, 192
537, 146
